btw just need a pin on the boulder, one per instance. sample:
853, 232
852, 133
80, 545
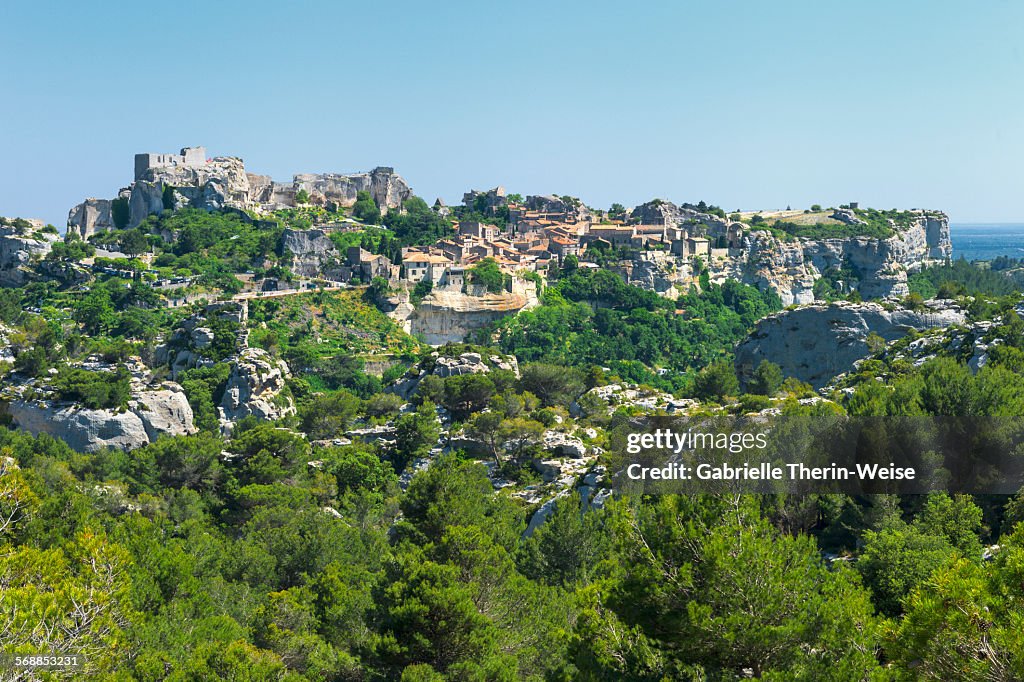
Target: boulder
815, 343
164, 411
847, 216
564, 445
149, 415
254, 387
467, 363
202, 337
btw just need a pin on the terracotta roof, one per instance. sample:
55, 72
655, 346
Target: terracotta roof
432, 258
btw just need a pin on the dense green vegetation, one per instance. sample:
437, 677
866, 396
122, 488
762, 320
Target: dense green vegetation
488, 274
418, 224
96, 390
959, 278
592, 317
273, 585
324, 323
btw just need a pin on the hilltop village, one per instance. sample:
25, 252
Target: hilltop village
517, 234
657, 245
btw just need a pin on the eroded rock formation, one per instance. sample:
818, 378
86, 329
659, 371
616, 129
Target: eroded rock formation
154, 410
255, 387
791, 267
312, 251
189, 179
815, 343
21, 242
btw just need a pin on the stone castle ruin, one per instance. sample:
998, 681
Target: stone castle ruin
190, 157
190, 179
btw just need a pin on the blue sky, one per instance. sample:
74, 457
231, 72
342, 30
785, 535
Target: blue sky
742, 104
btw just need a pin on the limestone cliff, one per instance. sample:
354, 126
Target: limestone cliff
312, 251
219, 183
154, 410
386, 187
815, 343
791, 267
21, 242
449, 316
92, 216
190, 180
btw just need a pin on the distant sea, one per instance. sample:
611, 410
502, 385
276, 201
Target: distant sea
985, 241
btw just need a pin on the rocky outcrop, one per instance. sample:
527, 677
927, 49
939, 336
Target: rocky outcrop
449, 316
614, 396
154, 410
187, 345
164, 411
312, 251
769, 263
661, 212
815, 343
190, 180
467, 363
7, 353
656, 271
91, 216
387, 187
485, 201
256, 382
790, 267
970, 343
847, 216
255, 388
547, 203
220, 183
21, 242
453, 365
568, 207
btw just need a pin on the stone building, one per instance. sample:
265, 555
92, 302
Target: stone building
190, 157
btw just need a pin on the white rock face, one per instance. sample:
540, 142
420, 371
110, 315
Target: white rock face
165, 411
312, 251
19, 245
790, 268
386, 187
449, 316
219, 183
91, 216
191, 180
254, 387
816, 342
467, 363
617, 395
150, 414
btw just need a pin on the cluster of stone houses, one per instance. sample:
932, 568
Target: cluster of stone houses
537, 232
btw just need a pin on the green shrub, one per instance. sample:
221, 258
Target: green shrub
94, 390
